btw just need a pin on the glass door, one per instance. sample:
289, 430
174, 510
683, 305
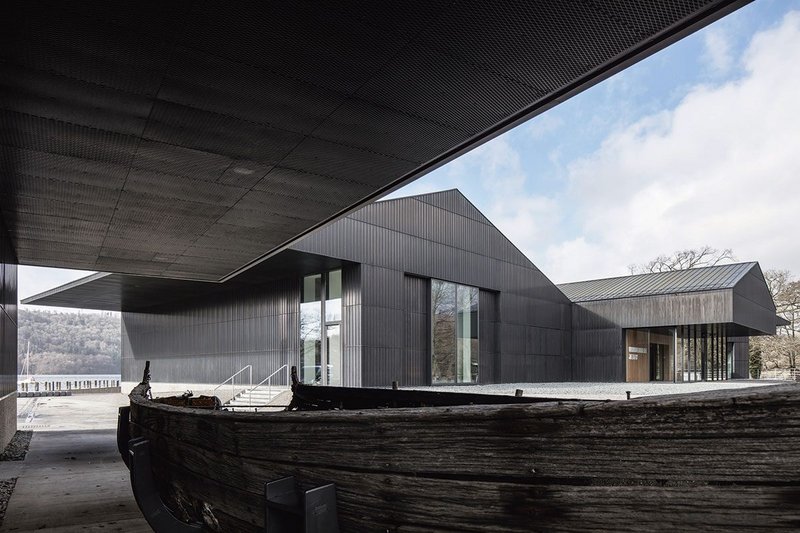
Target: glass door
333, 349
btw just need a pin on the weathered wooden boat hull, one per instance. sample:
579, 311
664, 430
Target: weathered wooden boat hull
714, 461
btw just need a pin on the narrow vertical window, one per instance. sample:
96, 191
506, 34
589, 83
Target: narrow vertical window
455, 347
467, 335
311, 329
443, 329
333, 297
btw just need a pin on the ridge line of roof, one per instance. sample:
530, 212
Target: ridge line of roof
656, 273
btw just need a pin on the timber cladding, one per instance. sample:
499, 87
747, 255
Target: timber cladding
713, 461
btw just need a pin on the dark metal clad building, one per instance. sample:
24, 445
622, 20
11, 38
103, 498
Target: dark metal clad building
396, 279
194, 139
425, 290
684, 325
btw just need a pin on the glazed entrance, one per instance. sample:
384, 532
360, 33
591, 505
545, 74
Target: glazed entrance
650, 354
700, 352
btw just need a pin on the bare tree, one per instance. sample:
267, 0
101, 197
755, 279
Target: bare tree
683, 259
777, 281
786, 294
782, 350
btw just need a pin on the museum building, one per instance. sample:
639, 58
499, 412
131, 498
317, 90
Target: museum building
426, 290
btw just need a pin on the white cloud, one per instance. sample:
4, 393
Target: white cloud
718, 52
721, 168
493, 177
543, 125
528, 220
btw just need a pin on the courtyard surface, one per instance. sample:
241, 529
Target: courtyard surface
602, 391
72, 478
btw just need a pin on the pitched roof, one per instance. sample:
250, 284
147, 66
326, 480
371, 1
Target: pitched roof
676, 281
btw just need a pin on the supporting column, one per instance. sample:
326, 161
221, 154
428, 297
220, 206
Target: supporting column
675, 354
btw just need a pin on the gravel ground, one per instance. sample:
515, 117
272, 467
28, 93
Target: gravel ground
18, 447
15, 451
601, 391
6, 488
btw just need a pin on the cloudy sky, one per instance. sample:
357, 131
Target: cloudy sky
698, 144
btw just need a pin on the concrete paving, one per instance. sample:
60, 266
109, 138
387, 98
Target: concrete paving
72, 478
69, 413
601, 391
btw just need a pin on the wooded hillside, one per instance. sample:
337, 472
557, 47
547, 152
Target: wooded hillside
69, 343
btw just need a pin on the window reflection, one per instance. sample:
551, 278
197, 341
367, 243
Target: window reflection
443, 304
455, 346
333, 346
311, 329
333, 299
320, 362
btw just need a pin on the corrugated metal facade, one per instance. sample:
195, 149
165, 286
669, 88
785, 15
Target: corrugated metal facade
752, 303
528, 329
597, 345
402, 244
8, 338
393, 249
205, 341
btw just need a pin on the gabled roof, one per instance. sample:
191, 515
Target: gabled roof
677, 281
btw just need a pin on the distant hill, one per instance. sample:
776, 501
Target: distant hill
69, 343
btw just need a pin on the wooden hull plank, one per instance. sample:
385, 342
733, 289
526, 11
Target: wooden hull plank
712, 461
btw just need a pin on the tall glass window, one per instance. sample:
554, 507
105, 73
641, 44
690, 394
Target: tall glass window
333, 347
320, 329
333, 297
311, 329
455, 346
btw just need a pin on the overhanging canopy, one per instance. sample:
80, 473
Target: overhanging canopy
191, 139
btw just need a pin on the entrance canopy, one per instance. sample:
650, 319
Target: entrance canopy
191, 140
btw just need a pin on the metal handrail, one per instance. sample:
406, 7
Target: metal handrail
233, 385
268, 381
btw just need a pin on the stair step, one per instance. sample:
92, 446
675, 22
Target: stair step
260, 409
257, 397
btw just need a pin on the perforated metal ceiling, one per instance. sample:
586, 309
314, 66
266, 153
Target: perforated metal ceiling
187, 139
